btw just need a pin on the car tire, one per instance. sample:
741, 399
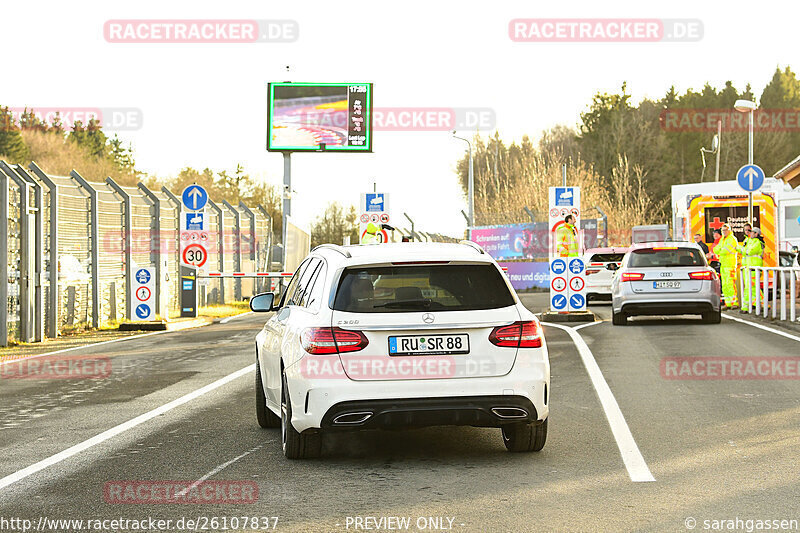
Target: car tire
296, 445
618, 319
525, 437
712, 317
266, 418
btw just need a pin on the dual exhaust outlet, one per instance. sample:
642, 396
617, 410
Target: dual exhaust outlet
359, 417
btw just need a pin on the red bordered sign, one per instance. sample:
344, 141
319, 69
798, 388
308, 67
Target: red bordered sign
195, 254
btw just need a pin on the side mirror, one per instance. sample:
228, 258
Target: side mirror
262, 303
612, 266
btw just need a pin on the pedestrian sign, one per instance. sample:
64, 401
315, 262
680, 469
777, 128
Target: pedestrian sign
558, 266
750, 177
143, 311
576, 284
558, 283
559, 301
194, 197
576, 266
143, 276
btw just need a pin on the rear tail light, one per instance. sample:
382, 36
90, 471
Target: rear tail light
703, 274
517, 335
321, 341
632, 276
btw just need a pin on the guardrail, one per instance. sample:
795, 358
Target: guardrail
770, 288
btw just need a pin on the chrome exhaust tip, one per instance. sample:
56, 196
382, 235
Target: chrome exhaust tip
352, 418
509, 412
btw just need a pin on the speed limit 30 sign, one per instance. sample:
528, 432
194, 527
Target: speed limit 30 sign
194, 254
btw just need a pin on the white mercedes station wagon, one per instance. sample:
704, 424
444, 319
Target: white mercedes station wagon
400, 336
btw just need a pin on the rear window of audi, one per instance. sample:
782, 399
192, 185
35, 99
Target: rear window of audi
400, 289
666, 257
606, 258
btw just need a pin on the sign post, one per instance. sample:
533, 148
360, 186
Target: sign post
567, 272
375, 210
144, 280
193, 245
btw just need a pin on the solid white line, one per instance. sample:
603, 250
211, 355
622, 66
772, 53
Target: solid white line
631, 456
765, 328
137, 336
587, 325
228, 319
125, 426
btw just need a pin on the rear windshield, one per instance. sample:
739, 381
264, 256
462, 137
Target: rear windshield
400, 289
606, 258
666, 257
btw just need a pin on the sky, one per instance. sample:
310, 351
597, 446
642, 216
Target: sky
204, 104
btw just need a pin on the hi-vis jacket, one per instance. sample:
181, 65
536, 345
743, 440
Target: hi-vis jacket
566, 241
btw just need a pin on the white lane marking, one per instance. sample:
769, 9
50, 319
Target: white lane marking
216, 470
765, 328
587, 325
137, 336
631, 456
228, 319
125, 426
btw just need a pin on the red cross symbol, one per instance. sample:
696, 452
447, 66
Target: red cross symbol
716, 224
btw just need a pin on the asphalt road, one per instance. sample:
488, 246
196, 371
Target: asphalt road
716, 449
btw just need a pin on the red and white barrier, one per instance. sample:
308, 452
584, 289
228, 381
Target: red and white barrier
247, 275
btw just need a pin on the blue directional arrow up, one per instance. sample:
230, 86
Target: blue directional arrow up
750, 177
194, 197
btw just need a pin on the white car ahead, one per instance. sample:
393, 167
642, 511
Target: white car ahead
598, 276
398, 336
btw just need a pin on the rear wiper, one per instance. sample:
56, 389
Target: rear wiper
424, 303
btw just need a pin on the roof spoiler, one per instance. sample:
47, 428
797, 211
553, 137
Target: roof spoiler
473, 245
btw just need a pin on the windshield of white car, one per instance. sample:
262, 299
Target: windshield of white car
422, 287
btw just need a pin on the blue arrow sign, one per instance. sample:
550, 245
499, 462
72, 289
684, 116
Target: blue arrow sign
558, 266
194, 197
143, 311
577, 301
142, 276
576, 266
750, 177
559, 301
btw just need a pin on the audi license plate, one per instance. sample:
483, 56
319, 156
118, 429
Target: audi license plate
666, 284
429, 344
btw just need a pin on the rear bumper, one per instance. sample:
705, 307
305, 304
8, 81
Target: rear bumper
668, 308
316, 402
485, 411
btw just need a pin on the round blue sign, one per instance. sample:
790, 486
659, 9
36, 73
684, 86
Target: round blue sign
559, 301
750, 177
577, 301
143, 276
143, 311
558, 266
576, 266
194, 197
